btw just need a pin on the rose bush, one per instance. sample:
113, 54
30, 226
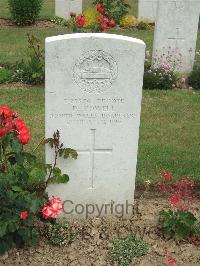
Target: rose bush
113, 9
179, 221
104, 21
23, 181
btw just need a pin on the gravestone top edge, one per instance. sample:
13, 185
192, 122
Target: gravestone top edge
94, 35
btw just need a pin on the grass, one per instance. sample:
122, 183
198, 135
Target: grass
13, 41
48, 10
169, 133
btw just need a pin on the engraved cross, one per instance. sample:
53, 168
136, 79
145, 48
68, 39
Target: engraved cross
177, 38
92, 151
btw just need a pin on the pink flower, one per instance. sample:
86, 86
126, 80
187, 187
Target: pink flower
56, 204
49, 212
171, 261
167, 176
165, 66
53, 208
175, 199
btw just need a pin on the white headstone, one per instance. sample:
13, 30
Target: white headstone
176, 30
64, 7
93, 97
147, 10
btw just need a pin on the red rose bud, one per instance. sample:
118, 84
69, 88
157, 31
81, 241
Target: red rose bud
15, 114
80, 21
72, 14
23, 215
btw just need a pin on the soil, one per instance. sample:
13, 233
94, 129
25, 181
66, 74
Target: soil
6, 23
92, 244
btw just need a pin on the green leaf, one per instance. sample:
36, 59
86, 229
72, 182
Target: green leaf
19, 157
5, 243
29, 157
187, 218
56, 171
59, 179
17, 189
35, 205
16, 146
37, 175
70, 152
13, 226
3, 228
61, 152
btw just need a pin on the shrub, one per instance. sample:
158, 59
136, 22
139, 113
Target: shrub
159, 78
128, 21
114, 9
124, 250
32, 70
23, 182
142, 25
162, 74
25, 12
179, 222
194, 78
91, 16
58, 234
5, 75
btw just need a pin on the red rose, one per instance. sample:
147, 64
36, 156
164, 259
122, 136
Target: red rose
100, 19
104, 26
5, 111
8, 125
23, 215
80, 21
19, 124
106, 20
24, 135
112, 23
100, 9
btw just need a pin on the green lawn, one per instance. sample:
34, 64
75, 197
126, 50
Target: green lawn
48, 10
169, 133
13, 42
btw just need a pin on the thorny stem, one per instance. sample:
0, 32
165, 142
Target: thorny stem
56, 150
42, 140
